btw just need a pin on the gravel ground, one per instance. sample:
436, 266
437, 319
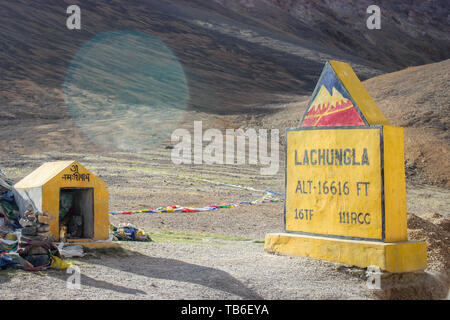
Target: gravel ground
221, 270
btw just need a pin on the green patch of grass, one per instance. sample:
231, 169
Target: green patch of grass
142, 169
8, 273
195, 238
259, 241
163, 172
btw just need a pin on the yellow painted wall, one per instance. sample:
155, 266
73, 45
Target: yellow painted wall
394, 184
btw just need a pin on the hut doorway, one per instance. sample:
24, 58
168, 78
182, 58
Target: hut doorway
76, 213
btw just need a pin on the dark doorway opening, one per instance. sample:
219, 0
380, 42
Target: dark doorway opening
76, 213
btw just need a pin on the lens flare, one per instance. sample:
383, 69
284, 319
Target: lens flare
126, 90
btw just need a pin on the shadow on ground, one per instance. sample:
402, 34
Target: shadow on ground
91, 282
162, 268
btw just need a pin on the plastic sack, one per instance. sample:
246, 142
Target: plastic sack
70, 251
60, 264
6, 261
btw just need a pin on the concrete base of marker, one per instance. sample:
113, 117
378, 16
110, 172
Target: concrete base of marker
92, 244
392, 257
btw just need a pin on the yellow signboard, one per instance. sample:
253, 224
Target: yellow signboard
345, 181
335, 183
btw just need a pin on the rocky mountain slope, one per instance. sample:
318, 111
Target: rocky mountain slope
236, 54
412, 32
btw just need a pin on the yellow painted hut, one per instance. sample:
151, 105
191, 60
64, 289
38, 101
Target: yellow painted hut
53, 183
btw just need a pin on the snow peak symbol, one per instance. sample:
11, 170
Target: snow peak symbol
327, 109
330, 157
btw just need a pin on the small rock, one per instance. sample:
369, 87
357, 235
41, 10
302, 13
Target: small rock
26, 223
44, 219
29, 231
43, 228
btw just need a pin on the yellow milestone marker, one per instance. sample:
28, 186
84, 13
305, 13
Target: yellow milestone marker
345, 184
